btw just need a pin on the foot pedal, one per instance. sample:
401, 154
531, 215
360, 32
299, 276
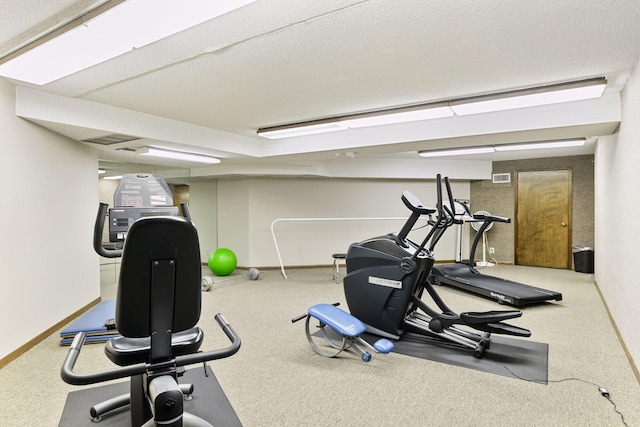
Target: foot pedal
383, 346
503, 328
475, 318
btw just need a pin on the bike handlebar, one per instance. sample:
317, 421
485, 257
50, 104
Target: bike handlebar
73, 378
97, 234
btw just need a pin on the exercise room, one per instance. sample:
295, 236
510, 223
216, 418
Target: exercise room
347, 212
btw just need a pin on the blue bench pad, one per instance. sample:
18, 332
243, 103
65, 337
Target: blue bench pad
337, 319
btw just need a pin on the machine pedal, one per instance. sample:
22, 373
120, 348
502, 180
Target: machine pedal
504, 329
475, 318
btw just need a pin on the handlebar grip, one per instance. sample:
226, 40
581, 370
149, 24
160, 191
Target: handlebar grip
190, 359
186, 211
70, 377
226, 327
491, 218
97, 234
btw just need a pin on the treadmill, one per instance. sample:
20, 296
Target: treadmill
465, 276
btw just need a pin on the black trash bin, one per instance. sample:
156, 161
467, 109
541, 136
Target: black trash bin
583, 259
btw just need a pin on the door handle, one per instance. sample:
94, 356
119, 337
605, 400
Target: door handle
564, 224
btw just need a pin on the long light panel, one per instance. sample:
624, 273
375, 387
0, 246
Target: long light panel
540, 145
376, 118
456, 151
537, 145
176, 155
411, 115
543, 95
129, 25
289, 132
553, 94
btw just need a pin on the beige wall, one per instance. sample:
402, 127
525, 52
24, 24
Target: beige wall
617, 201
49, 269
247, 208
203, 202
499, 199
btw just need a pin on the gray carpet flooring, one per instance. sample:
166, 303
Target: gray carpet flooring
277, 380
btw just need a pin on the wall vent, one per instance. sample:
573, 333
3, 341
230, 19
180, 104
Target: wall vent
501, 178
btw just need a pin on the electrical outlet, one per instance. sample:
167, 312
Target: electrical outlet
492, 251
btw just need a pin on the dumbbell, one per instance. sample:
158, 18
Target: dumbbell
208, 282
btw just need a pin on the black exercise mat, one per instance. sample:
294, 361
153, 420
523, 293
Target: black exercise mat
209, 402
522, 359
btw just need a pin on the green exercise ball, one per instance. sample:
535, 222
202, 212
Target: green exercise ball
222, 262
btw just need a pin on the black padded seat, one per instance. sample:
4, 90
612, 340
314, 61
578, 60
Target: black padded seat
125, 351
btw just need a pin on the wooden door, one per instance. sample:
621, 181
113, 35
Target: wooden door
543, 219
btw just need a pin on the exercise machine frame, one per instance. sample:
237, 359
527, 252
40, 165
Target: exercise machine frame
387, 276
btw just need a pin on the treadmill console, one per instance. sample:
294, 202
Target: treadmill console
138, 196
120, 219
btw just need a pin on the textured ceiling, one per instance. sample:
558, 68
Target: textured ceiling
275, 62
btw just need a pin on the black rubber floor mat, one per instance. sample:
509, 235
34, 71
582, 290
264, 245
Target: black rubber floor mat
209, 403
522, 359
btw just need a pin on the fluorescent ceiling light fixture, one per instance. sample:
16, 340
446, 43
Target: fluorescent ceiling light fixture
575, 142
176, 155
91, 39
113, 177
373, 118
456, 151
544, 95
101, 171
391, 117
542, 144
289, 131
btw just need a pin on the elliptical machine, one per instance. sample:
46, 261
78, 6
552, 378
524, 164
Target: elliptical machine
387, 275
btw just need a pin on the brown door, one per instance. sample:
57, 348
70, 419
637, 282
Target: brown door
543, 213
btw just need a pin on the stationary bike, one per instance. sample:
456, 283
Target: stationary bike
387, 276
157, 309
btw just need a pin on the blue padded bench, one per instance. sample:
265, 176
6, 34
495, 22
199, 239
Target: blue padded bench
343, 334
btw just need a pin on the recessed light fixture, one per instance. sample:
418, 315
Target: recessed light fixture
176, 155
110, 30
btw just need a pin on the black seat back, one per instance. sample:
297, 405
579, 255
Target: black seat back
159, 291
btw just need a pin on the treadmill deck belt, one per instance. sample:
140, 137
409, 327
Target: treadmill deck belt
502, 290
